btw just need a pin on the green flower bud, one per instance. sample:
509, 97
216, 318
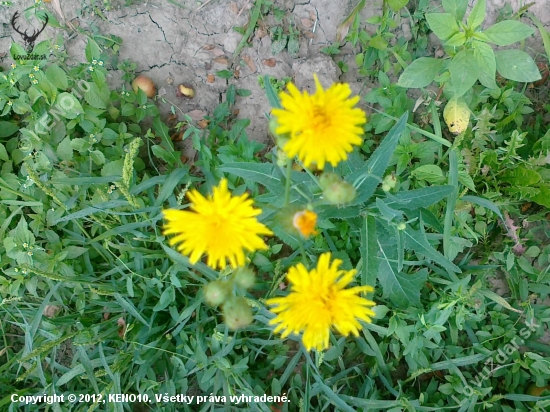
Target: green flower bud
328, 179
339, 193
244, 277
216, 292
401, 226
281, 158
389, 182
236, 312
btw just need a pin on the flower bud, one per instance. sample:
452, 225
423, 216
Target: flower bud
244, 277
305, 221
281, 158
339, 193
216, 292
236, 312
328, 179
389, 182
401, 226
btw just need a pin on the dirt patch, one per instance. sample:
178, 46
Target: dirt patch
191, 42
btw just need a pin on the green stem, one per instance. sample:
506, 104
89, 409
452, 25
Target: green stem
288, 181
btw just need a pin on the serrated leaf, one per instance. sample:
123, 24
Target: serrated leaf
507, 32
57, 77
444, 25
429, 173
420, 72
402, 289
366, 179
418, 198
97, 157
263, 173
516, 65
416, 240
113, 168
485, 57
477, 15
64, 149
397, 5
464, 72
456, 7
97, 97
92, 50
68, 106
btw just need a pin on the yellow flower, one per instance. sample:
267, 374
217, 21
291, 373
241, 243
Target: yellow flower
221, 226
319, 301
305, 222
323, 126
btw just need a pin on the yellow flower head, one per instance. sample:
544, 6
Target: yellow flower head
221, 226
319, 301
305, 221
322, 127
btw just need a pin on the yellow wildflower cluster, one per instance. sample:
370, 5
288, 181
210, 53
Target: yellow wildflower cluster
318, 129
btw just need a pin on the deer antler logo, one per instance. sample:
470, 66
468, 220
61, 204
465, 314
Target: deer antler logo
29, 40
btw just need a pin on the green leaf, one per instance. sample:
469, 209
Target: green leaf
456, 7
543, 198
464, 72
485, 57
366, 179
167, 297
97, 97
170, 184
417, 241
92, 50
507, 32
263, 173
57, 77
477, 15
484, 203
7, 128
420, 72
397, 5
130, 308
444, 25
456, 40
521, 176
516, 65
402, 289
272, 96
224, 74
64, 149
68, 106
97, 157
414, 199
543, 33
369, 268
429, 173
4, 153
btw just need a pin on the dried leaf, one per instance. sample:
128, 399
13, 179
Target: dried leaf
121, 327
307, 23
196, 114
221, 60
343, 29
208, 47
269, 62
233, 7
203, 123
210, 78
250, 63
